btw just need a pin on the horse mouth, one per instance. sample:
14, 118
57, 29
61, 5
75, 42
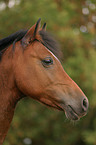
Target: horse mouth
69, 112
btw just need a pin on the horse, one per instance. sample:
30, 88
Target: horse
30, 66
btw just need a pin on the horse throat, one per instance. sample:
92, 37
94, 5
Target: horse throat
9, 96
6, 115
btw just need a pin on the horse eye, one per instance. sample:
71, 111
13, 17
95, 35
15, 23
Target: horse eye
47, 61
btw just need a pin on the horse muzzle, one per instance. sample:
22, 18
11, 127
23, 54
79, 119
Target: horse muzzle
75, 113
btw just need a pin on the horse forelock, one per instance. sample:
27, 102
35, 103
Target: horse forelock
50, 43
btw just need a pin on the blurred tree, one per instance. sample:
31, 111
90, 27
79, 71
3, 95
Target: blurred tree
73, 23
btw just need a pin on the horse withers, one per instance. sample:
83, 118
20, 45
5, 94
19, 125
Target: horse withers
30, 66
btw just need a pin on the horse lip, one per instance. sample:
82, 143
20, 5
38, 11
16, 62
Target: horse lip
80, 114
71, 113
73, 110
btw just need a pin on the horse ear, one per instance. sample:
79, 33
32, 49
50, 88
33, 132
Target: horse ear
31, 34
44, 27
37, 27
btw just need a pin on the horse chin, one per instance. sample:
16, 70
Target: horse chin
72, 115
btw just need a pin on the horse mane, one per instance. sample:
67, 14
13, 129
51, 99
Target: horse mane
48, 41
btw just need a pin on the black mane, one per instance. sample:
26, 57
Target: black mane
5, 42
48, 41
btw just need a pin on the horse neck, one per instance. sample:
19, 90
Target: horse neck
9, 94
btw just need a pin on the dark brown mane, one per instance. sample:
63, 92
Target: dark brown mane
48, 41
5, 42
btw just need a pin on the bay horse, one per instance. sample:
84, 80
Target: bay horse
30, 66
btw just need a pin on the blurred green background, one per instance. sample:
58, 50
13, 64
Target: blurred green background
73, 23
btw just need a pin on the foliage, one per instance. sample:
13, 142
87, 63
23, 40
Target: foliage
73, 23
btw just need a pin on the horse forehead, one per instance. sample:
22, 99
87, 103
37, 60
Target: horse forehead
42, 51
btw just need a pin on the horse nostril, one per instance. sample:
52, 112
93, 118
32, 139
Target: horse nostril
85, 104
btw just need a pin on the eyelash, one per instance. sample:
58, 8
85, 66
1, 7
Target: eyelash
47, 61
